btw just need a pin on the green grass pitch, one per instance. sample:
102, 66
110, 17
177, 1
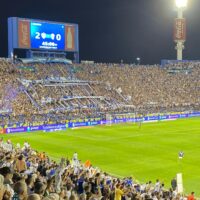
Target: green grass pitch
146, 153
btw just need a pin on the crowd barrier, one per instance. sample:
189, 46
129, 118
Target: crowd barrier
54, 127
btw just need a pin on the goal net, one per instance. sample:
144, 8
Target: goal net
109, 119
120, 118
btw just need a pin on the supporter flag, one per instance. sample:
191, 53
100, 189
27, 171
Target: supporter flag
2, 130
87, 163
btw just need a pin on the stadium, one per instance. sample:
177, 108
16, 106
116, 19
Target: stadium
80, 129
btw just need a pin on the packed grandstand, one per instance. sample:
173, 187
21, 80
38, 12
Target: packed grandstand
49, 91
41, 91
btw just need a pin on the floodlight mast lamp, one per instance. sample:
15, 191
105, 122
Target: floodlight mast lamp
180, 28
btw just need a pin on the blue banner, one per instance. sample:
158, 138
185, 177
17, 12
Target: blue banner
94, 122
48, 127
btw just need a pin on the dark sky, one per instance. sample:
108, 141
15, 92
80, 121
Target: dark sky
111, 30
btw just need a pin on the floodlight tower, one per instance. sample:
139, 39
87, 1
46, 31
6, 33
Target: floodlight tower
180, 28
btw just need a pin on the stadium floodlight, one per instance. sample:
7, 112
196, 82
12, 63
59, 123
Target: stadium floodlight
180, 28
138, 60
181, 3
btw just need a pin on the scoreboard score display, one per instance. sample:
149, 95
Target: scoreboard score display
42, 35
47, 36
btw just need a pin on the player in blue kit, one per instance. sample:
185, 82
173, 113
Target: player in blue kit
181, 155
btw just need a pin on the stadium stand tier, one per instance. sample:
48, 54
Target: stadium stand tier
53, 90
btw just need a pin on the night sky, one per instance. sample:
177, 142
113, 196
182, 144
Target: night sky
111, 30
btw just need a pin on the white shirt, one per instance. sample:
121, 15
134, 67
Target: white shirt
157, 187
75, 156
18, 146
26, 145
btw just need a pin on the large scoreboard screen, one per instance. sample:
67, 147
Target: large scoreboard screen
47, 36
38, 34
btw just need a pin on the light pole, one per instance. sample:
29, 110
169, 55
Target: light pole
180, 28
138, 60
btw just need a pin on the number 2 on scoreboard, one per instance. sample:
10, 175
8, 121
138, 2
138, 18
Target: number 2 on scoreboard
37, 35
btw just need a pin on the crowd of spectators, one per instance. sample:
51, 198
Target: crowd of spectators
147, 89
149, 86
26, 174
